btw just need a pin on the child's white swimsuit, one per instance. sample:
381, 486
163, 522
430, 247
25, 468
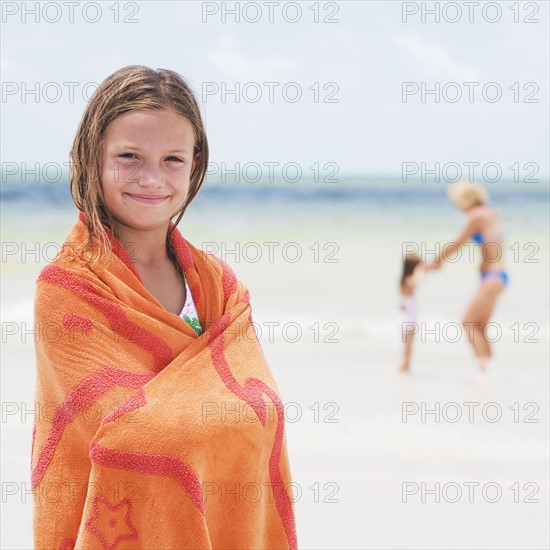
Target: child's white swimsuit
189, 312
408, 310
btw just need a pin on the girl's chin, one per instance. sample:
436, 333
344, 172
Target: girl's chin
145, 223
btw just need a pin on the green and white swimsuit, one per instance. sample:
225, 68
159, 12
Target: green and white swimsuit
189, 312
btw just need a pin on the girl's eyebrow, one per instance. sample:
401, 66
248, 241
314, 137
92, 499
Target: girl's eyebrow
135, 148
180, 151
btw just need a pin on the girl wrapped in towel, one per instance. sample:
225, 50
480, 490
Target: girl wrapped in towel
165, 426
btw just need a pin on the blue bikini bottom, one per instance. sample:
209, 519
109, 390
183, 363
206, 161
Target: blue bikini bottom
499, 274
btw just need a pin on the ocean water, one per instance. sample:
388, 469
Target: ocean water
315, 247
322, 264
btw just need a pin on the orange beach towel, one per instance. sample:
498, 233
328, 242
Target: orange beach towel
149, 435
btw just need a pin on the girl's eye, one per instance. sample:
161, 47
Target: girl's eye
132, 155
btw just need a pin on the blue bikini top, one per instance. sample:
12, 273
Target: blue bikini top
477, 237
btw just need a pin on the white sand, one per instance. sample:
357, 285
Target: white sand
362, 460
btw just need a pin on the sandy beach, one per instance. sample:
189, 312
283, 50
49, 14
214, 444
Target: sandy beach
438, 458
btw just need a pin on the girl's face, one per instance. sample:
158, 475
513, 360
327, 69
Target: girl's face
147, 160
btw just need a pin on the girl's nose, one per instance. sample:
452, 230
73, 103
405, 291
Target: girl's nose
149, 176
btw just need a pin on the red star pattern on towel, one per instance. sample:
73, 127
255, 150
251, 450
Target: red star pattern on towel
111, 522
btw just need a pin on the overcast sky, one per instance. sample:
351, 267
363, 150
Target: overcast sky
355, 67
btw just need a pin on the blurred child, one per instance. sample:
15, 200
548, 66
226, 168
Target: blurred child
413, 273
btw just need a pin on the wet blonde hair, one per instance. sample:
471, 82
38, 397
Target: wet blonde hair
131, 88
465, 194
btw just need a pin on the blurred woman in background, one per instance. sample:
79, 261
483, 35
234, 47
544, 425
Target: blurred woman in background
484, 228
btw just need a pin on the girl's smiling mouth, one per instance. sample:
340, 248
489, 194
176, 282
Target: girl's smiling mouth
147, 199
